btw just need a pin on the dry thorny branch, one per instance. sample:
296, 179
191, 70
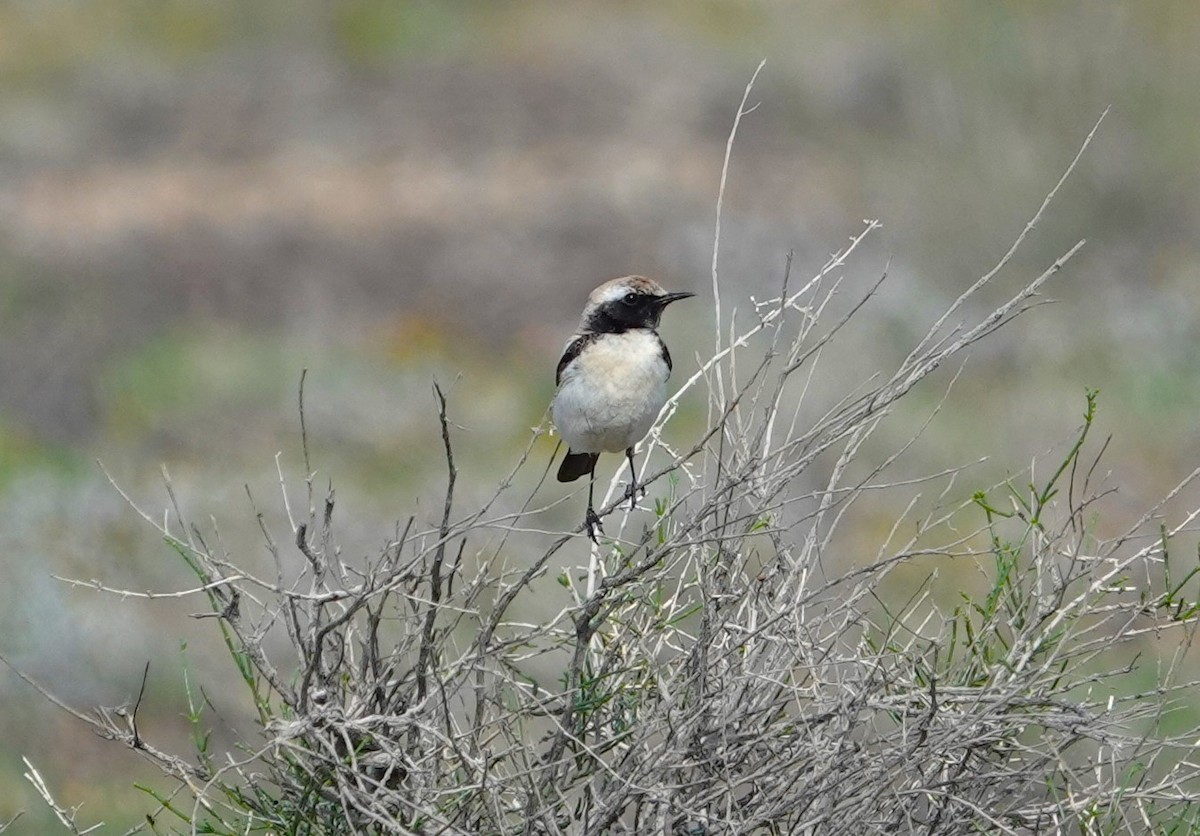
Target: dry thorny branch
719, 671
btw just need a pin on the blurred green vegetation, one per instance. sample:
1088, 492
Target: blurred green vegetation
22, 453
182, 379
43, 40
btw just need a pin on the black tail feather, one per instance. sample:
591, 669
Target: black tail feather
575, 465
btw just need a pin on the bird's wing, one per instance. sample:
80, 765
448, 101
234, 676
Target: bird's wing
576, 345
666, 355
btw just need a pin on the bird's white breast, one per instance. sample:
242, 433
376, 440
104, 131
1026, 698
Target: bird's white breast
611, 393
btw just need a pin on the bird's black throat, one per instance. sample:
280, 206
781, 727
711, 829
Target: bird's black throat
619, 317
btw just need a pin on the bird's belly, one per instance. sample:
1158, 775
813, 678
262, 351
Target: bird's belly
609, 399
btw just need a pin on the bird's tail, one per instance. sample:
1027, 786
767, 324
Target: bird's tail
575, 465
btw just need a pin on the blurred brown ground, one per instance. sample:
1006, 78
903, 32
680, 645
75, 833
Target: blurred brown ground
199, 199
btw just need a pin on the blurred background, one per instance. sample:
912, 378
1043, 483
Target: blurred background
201, 198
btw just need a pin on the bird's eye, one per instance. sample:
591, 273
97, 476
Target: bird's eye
630, 299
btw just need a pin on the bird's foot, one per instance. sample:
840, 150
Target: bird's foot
592, 521
631, 493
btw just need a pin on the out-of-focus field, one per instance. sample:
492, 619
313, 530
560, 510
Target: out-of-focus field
199, 199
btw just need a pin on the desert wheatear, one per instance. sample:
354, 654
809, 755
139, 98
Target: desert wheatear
612, 379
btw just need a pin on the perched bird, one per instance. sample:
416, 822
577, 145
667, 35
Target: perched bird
612, 380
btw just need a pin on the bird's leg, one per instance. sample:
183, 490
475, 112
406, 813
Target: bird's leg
633, 485
592, 519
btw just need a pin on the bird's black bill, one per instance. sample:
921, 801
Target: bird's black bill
668, 298
575, 465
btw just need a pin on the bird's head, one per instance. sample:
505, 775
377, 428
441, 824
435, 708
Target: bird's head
628, 302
